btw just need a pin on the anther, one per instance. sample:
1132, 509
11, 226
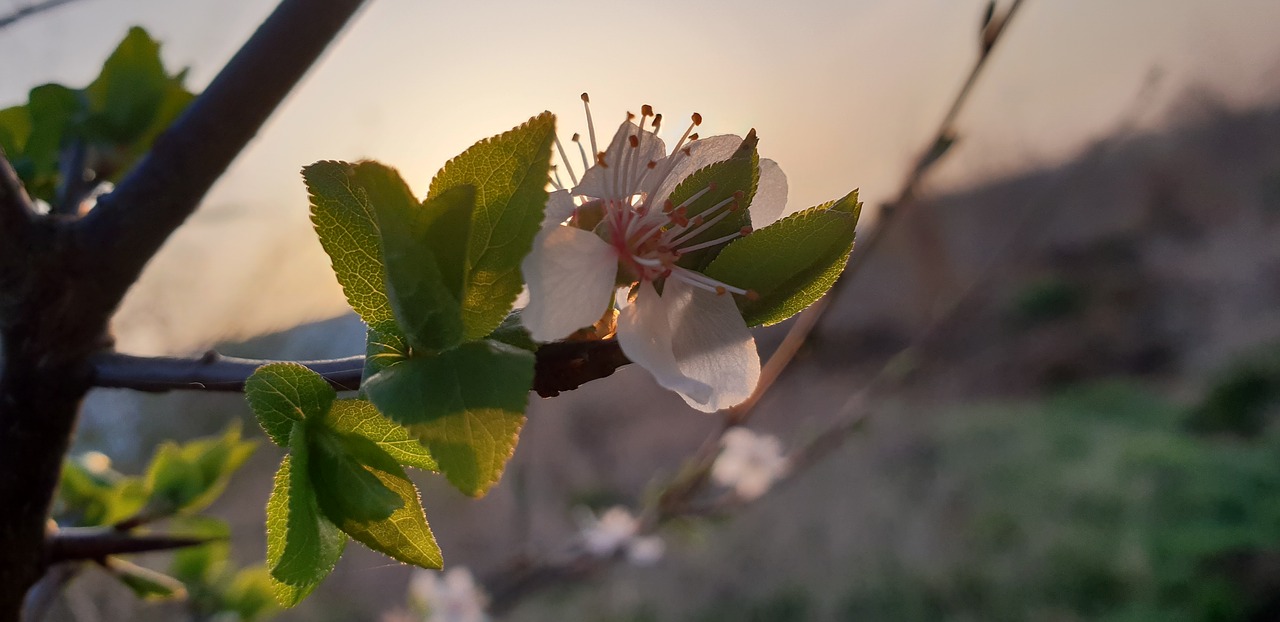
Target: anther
720, 290
667, 206
746, 230
634, 140
652, 164
600, 160
646, 110
586, 99
697, 118
737, 194
693, 137
752, 295
575, 137
657, 121
712, 186
630, 115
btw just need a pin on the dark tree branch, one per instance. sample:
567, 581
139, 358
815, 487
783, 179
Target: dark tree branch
29, 10
560, 367
94, 543
128, 226
17, 213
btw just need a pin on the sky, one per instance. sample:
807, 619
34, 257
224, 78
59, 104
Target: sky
843, 94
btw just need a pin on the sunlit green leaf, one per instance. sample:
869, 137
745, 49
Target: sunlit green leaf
466, 405
509, 173
250, 594
424, 249
94, 494
15, 127
203, 564
382, 350
345, 222
361, 418
302, 545
404, 535
791, 263
282, 394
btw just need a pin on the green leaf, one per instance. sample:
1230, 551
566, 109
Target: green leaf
513, 333
302, 545
282, 394
348, 230
127, 95
791, 263
55, 113
361, 418
190, 476
424, 249
203, 564
509, 173
146, 583
382, 351
738, 174
250, 594
97, 496
402, 534
466, 405
15, 127
345, 489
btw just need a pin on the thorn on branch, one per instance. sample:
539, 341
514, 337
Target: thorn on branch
96, 543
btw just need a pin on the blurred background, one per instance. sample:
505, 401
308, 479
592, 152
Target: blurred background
1062, 353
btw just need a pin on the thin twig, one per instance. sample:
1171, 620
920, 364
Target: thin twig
560, 367
29, 10
93, 543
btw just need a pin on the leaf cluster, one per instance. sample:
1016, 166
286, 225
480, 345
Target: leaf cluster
112, 121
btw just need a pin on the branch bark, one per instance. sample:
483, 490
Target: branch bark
94, 543
560, 367
29, 10
58, 290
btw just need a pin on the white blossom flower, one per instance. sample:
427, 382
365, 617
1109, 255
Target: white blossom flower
452, 596
749, 463
616, 530
691, 337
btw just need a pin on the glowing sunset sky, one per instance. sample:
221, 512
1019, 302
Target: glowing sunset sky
842, 94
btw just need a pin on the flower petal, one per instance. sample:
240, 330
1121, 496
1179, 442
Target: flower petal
711, 344
645, 336
625, 166
570, 274
559, 208
770, 202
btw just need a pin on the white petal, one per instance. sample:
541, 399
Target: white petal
645, 336
570, 273
770, 202
702, 153
559, 208
625, 165
711, 344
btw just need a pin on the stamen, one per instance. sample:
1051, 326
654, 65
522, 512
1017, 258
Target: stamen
693, 137
565, 159
702, 281
707, 224
710, 243
591, 127
657, 122
555, 179
586, 164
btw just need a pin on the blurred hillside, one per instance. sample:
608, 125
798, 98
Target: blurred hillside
1080, 430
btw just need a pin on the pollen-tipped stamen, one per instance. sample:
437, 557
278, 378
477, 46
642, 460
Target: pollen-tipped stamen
565, 159
591, 127
702, 281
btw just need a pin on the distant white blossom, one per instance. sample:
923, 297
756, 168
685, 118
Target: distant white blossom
452, 596
616, 530
749, 463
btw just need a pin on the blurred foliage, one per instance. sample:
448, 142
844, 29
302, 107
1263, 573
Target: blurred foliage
180, 480
1243, 398
111, 123
787, 605
1047, 299
1096, 505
